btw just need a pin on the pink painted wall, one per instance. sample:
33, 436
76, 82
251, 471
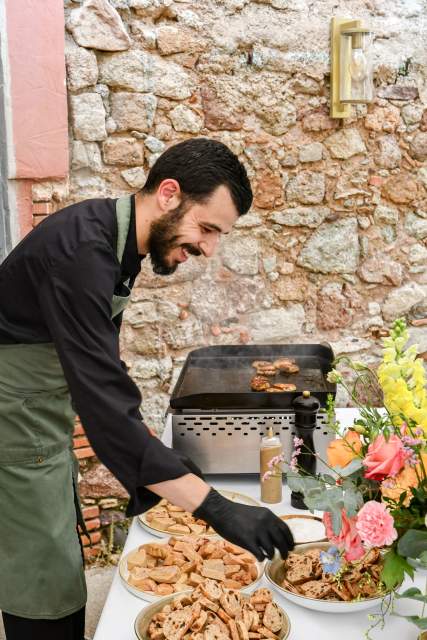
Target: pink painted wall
35, 34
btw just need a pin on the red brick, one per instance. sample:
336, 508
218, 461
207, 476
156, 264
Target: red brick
90, 512
37, 220
81, 442
91, 525
42, 208
86, 452
376, 181
92, 552
94, 538
78, 430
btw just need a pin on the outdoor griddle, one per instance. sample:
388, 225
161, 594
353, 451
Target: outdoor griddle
218, 421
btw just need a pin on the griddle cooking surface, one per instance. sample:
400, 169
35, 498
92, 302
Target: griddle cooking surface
219, 377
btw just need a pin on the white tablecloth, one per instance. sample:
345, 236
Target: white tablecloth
121, 607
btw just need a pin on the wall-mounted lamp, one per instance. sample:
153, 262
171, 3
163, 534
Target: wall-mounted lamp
351, 66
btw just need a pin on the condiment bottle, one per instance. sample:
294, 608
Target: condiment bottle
306, 407
271, 487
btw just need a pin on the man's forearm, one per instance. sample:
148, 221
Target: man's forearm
187, 492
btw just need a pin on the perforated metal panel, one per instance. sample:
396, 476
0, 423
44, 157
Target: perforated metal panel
230, 443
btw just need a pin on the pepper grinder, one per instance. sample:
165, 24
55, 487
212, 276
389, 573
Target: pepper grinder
306, 407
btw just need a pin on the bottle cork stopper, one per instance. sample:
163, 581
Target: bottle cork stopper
306, 394
270, 432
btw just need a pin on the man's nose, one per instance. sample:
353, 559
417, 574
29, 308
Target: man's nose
208, 245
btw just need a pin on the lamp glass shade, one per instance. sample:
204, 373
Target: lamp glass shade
356, 66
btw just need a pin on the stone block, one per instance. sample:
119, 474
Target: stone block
171, 39
276, 325
401, 188
318, 120
240, 254
134, 177
82, 68
412, 113
333, 307
218, 114
300, 216
388, 155
128, 70
400, 301
332, 248
311, 152
345, 143
185, 119
171, 81
416, 225
386, 215
123, 151
184, 334
88, 117
398, 92
307, 187
268, 191
418, 146
97, 25
133, 111
382, 269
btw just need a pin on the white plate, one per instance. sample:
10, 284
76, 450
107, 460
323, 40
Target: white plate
144, 617
151, 597
161, 533
327, 606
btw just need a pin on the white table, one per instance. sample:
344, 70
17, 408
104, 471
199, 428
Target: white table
121, 607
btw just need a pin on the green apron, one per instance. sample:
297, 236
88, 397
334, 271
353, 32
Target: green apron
41, 567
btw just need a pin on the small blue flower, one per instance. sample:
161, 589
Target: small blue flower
330, 560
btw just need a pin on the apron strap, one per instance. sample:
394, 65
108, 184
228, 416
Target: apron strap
123, 211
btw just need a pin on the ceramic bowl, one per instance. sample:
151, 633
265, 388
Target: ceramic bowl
149, 596
300, 526
162, 533
274, 572
145, 616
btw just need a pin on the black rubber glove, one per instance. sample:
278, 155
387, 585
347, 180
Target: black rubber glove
256, 529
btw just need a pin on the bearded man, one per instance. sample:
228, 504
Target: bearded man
62, 293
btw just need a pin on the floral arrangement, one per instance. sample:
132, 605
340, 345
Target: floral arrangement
376, 492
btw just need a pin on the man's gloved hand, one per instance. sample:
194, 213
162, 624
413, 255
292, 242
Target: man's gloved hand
256, 529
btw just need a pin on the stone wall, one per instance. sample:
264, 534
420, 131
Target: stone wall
334, 247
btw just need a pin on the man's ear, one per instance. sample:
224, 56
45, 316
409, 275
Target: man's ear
169, 195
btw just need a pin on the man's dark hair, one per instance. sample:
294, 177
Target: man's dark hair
201, 165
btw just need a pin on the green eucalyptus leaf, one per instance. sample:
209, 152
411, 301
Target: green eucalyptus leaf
353, 501
412, 544
302, 484
352, 466
336, 520
413, 593
394, 569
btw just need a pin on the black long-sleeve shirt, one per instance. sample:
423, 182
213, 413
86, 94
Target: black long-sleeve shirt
57, 286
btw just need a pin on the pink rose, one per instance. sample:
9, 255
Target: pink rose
384, 458
348, 537
375, 525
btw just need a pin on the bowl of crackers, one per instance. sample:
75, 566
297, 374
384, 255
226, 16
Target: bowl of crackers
212, 612
162, 568
302, 579
166, 519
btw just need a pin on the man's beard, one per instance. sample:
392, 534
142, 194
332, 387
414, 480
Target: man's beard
163, 238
